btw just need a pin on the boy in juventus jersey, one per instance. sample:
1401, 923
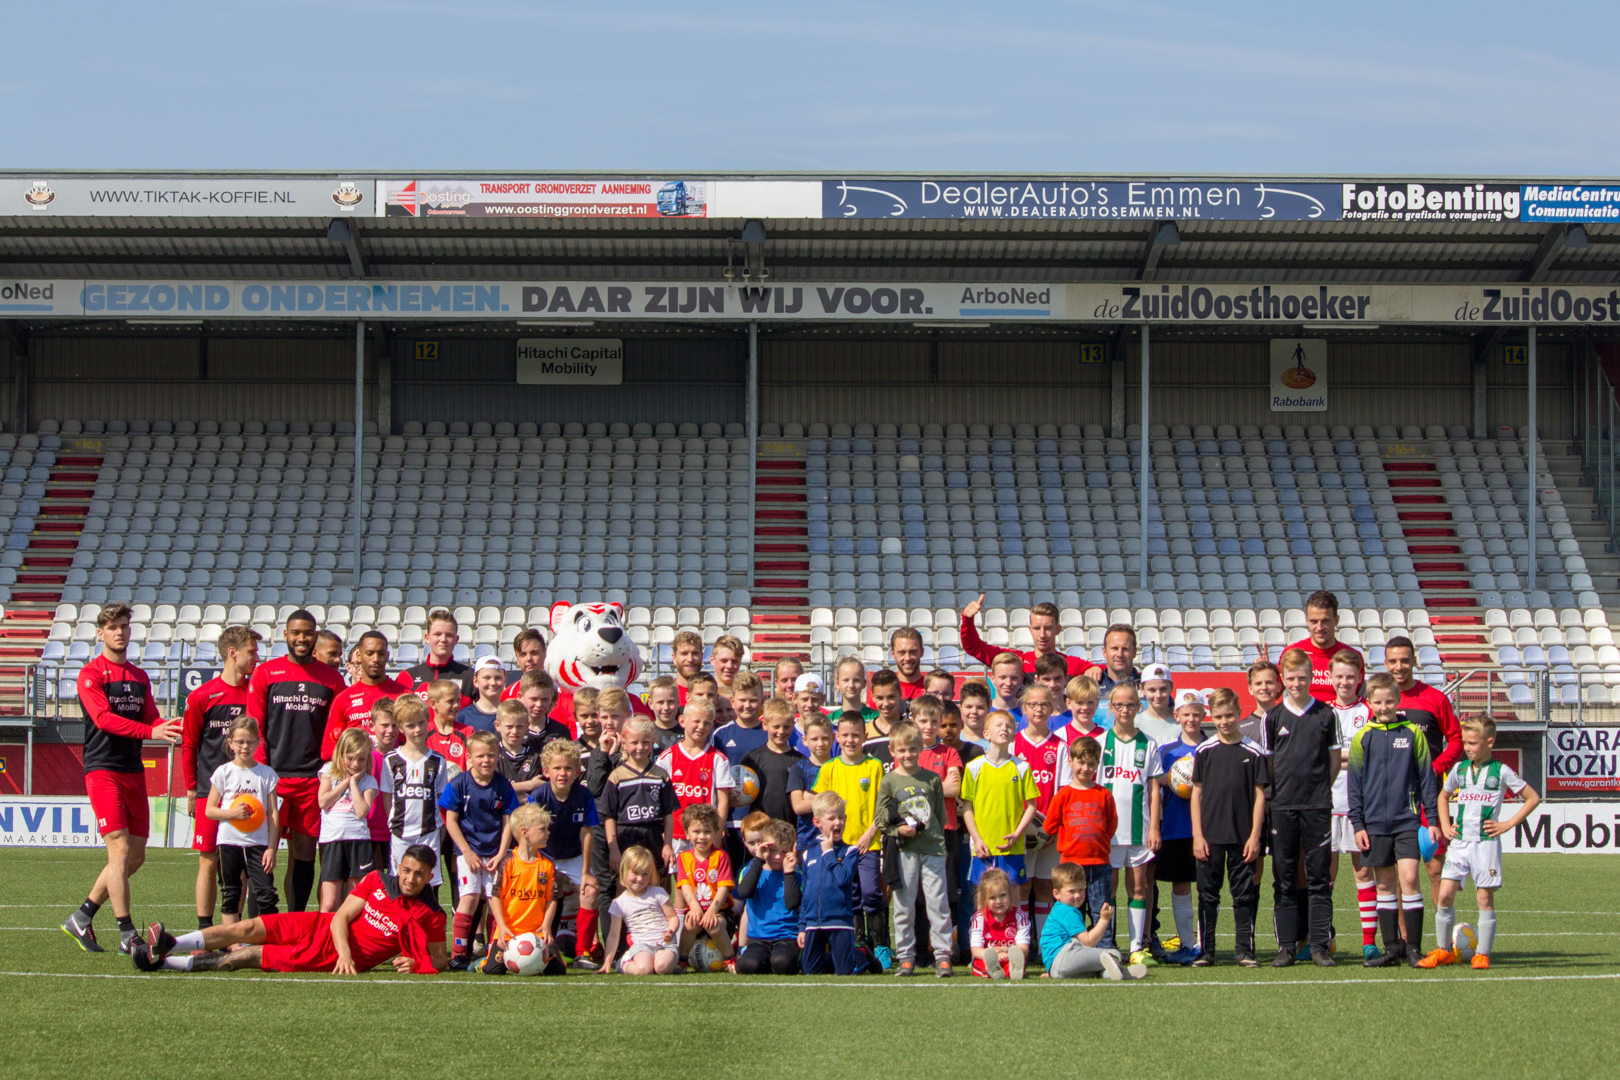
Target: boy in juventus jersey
1477, 786
414, 776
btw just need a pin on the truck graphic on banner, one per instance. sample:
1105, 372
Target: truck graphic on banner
545, 198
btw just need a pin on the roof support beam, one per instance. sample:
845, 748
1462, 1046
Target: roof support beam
1165, 235
1557, 238
344, 232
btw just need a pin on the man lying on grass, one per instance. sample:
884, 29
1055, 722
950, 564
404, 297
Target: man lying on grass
385, 918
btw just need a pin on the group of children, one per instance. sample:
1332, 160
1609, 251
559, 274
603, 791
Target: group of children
791, 838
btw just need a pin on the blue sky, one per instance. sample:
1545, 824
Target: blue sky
1355, 88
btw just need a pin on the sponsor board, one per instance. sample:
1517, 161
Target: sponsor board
1299, 375
1321, 306
1576, 828
192, 678
188, 197
1404, 200
1571, 202
562, 361
544, 198
28, 821
1585, 759
1015, 198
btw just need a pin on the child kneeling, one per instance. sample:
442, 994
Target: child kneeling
1068, 948
770, 885
524, 900
644, 911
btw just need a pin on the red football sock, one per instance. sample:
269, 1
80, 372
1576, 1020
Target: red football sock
586, 929
461, 935
1367, 900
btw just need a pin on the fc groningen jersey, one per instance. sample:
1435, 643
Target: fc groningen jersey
1476, 795
1127, 766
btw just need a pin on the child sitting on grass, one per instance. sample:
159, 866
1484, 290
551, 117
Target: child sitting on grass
643, 909
1068, 947
1000, 934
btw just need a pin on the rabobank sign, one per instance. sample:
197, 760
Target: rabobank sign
564, 361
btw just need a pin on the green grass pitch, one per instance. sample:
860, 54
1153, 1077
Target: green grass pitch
1545, 1008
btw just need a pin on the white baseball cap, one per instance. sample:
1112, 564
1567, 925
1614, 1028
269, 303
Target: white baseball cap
808, 681
1155, 673
489, 662
1190, 697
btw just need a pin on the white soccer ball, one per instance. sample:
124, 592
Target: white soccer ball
705, 957
528, 955
1181, 781
1465, 939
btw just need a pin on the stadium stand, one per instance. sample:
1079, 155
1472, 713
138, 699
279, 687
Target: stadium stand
1420, 531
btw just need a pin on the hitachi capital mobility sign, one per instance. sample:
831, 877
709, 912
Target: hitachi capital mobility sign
560, 361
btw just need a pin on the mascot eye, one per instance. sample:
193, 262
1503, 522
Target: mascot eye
582, 621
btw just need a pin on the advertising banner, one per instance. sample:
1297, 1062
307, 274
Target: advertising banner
544, 198
187, 197
1433, 200
1299, 375
560, 361
1571, 202
1577, 828
1079, 199
1585, 759
1317, 307
45, 821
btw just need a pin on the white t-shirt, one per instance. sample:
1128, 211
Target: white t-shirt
231, 780
1351, 719
1163, 732
338, 821
643, 915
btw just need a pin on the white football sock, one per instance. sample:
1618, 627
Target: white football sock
191, 942
1444, 919
1487, 931
1186, 924
1138, 913
179, 963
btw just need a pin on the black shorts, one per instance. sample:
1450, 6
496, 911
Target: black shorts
1175, 861
1386, 850
347, 860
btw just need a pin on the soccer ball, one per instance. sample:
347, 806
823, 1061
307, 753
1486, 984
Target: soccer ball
705, 957
747, 786
1465, 939
255, 818
1181, 776
528, 955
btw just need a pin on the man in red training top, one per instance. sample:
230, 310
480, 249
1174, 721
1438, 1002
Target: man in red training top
116, 697
352, 707
1043, 631
1430, 709
906, 648
291, 698
529, 649
209, 711
441, 637
1322, 642
385, 918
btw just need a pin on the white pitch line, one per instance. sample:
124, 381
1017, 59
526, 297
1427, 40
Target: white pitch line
875, 984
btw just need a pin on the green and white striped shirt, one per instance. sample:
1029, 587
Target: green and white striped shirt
1476, 795
1127, 766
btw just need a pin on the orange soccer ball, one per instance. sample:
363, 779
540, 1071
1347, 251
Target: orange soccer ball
255, 817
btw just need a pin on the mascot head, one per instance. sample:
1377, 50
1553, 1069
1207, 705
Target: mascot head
589, 647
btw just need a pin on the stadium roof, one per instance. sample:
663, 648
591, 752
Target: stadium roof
801, 248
